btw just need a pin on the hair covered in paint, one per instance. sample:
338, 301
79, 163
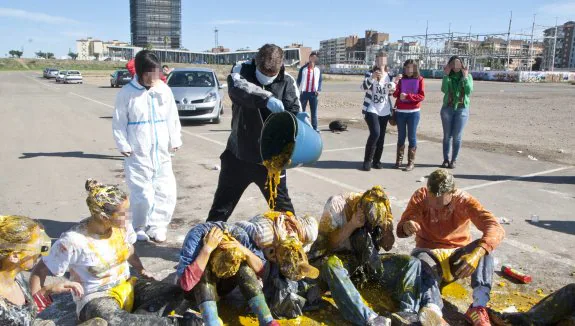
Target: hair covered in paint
441, 182
146, 61
269, 59
225, 263
103, 200
15, 230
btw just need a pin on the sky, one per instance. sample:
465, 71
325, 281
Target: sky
54, 25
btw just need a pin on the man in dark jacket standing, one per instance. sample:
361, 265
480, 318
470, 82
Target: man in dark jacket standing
257, 89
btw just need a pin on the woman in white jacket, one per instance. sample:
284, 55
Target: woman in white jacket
376, 111
146, 129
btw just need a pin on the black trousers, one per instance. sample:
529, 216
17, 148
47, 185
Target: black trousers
377, 126
235, 176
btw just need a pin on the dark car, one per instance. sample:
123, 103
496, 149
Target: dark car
120, 78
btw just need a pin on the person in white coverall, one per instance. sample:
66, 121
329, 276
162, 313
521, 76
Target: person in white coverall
146, 129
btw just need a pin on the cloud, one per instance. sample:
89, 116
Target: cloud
559, 8
35, 16
249, 22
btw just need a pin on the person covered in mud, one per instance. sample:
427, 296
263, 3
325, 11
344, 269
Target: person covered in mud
215, 258
352, 229
22, 242
558, 308
285, 240
257, 89
98, 253
439, 216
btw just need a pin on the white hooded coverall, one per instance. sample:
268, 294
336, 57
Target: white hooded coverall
146, 123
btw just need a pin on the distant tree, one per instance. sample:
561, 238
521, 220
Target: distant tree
40, 54
15, 53
49, 55
73, 55
167, 41
97, 56
537, 65
148, 46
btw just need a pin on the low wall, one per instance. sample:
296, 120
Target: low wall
511, 76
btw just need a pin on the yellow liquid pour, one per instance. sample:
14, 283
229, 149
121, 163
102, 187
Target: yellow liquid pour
275, 165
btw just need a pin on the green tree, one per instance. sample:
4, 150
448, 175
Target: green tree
40, 54
148, 46
73, 55
97, 56
15, 53
49, 55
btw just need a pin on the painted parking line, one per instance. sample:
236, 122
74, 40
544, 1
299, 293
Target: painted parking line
42, 83
493, 183
363, 147
511, 242
91, 100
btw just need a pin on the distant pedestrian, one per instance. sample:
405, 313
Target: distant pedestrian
376, 111
457, 86
309, 83
410, 93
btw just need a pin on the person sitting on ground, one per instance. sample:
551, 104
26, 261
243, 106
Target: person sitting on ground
98, 253
353, 227
22, 242
439, 216
558, 308
215, 258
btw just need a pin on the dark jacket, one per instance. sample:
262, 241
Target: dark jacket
249, 101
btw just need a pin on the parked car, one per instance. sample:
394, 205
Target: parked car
50, 73
198, 94
73, 76
120, 78
60, 77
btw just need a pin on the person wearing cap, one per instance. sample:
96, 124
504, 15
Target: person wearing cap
22, 242
353, 228
439, 216
98, 253
215, 258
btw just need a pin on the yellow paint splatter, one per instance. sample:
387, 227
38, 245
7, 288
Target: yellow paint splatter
502, 284
275, 165
455, 291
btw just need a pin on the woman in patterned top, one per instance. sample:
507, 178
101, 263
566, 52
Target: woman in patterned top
22, 242
98, 253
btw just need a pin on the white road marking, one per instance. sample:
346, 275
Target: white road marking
363, 147
492, 183
91, 100
511, 242
42, 83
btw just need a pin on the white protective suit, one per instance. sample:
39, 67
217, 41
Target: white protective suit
146, 123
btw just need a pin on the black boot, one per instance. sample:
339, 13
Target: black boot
377, 158
368, 158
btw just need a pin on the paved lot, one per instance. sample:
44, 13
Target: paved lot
57, 136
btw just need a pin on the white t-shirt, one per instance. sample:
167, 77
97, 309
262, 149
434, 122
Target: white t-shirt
98, 264
380, 102
334, 216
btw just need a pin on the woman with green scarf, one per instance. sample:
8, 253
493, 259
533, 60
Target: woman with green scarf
457, 86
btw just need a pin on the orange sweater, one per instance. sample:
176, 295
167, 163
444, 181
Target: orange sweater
448, 227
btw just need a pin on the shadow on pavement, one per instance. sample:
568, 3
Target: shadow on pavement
77, 154
55, 228
106, 117
152, 250
541, 178
567, 227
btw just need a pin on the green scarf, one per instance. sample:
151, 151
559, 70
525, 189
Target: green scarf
456, 91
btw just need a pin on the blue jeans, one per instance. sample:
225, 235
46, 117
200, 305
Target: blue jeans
431, 276
312, 99
453, 122
407, 126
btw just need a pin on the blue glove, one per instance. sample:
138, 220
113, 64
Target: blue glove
275, 105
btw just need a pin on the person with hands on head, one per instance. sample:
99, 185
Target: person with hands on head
215, 258
146, 129
98, 253
457, 86
439, 216
22, 242
257, 88
410, 92
353, 228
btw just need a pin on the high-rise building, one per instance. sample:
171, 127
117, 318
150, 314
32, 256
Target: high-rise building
156, 23
352, 49
564, 47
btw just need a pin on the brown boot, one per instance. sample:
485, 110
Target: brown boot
399, 156
410, 159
